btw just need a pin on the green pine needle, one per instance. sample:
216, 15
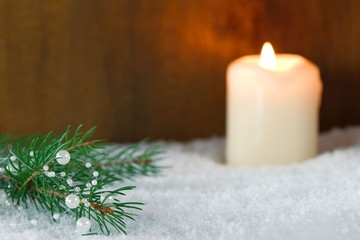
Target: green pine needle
25, 181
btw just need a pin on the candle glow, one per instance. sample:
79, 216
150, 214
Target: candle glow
267, 57
272, 109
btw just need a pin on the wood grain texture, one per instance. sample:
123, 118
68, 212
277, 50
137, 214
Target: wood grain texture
328, 33
157, 68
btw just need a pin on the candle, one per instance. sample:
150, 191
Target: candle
272, 109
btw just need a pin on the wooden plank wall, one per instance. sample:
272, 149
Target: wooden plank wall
156, 68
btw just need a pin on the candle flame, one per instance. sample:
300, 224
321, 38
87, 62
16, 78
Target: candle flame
267, 57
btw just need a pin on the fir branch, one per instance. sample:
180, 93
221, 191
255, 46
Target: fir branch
32, 173
52, 192
30, 178
134, 161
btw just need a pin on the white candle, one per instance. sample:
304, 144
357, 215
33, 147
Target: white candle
272, 109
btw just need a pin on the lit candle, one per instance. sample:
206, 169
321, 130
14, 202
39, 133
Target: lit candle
272, 109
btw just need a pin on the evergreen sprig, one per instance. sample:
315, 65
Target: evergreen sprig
30, 174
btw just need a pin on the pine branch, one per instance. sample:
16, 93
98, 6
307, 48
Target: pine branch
33, 171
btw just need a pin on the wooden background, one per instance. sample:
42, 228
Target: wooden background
156, 68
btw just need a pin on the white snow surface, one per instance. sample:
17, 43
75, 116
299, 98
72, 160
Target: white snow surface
198, 197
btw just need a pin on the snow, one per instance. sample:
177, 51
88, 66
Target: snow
198, 197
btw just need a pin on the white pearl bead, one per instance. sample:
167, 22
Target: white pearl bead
31, 154
3, 197
12, 168
109, 199
93, 182
63, 174
63, 157
83, 225
46, 168
88, 165
96, 173
13, 158
2, 169
70, 182
77, 189
51, 174
88, 185
56, 216
72, 201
